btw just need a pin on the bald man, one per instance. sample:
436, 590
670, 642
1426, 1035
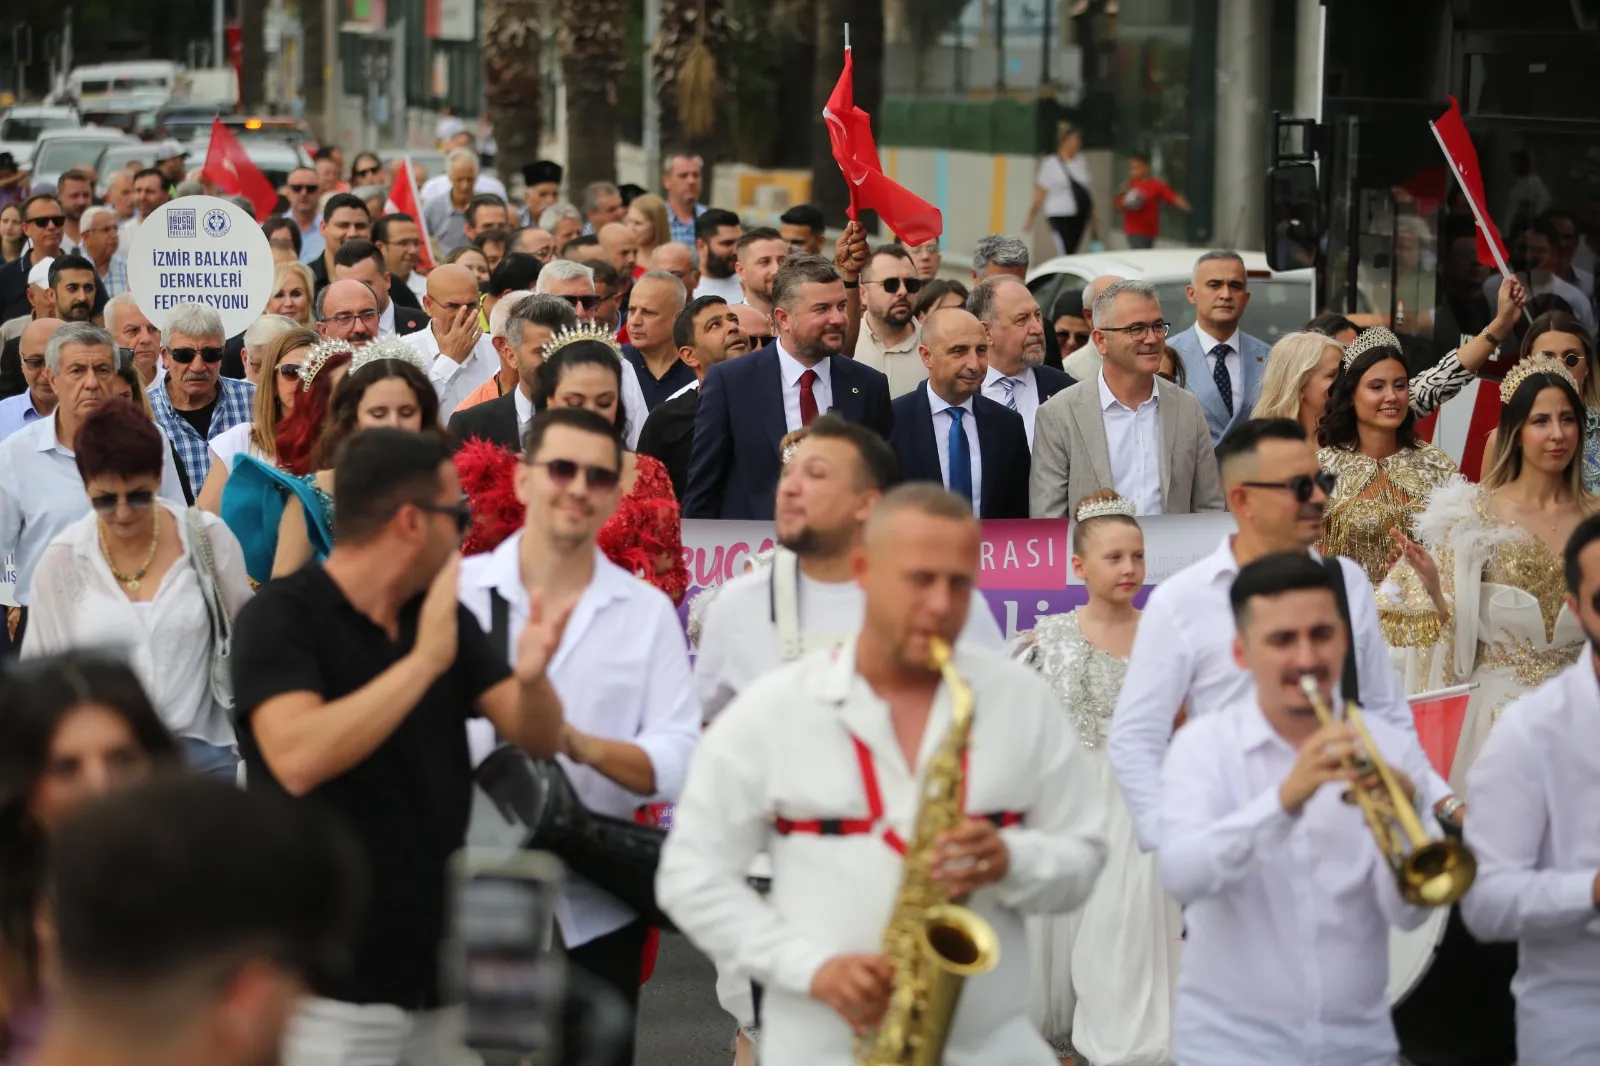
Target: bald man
459, 357
679, 261
39, 399
651, 349
757, 327
621, 247
1084, 364
347, 310
947, 431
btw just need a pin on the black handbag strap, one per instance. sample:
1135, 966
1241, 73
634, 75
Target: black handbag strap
500, 623
1350, 680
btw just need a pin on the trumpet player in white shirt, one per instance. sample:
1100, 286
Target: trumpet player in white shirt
1288, 900
822, 763
1535, 792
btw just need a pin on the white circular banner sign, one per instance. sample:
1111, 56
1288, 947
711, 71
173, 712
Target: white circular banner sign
204, 250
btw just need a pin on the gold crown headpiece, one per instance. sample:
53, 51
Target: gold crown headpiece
318, 357
1534, 364
586, 331
387, 348
1104, 508
1376, 337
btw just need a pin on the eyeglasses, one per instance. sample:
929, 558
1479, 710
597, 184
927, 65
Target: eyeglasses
48, 221
346, 319
211, 354
462, 513
304, 188
562, 471
1076, 340
137, 500
455, 308
368, 170
1302, 485
892, 285
289, 371
33, 362
587, 303
1139, 329
760, 340
1572, 359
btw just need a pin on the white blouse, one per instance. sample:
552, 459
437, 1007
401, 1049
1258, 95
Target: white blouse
77, 603
1060, 201
234, 442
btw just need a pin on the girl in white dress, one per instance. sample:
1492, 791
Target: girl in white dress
1104, 976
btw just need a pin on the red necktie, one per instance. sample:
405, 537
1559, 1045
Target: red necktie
808, 399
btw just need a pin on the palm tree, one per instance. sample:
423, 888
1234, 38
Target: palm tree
513, 37
592, 35
690, 79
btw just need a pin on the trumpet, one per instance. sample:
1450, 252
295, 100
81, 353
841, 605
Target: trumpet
1429, 873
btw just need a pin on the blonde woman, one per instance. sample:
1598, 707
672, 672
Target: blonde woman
293, 288
275, 395
1300, 369
647, 217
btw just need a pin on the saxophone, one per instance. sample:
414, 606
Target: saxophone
933, 943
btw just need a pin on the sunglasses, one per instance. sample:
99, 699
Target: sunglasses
137, 500
304, 188
1077, 340
892, 285
368, 170
1303, 486
760, 340
48, 221
587, 303
289, 371
186, 355
462, 513
562, 471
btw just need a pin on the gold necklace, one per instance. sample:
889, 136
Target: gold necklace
132, 580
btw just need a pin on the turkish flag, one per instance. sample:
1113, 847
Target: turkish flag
1451, 132
1439, 716
230, 170
403, 199
908, 216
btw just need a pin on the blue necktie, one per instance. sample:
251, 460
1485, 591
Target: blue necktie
960, 457
1219, 375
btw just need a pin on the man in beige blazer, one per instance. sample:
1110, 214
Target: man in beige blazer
1125, 428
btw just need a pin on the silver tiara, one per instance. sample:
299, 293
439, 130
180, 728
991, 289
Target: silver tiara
1116, 505
586, 331
318, 357
1376, 337
387, 348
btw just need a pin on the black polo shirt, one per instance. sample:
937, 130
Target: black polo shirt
409, 801
656, 390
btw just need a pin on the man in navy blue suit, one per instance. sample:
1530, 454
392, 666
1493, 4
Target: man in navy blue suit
747, 405
947, 431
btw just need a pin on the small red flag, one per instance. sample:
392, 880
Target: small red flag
1440, 715
908, 216
403, 199
1456, 143
231, 171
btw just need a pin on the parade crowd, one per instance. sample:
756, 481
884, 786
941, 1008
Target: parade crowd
283, 592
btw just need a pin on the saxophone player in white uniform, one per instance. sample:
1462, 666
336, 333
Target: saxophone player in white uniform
822, 764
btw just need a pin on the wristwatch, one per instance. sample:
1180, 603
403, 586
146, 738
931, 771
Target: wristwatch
852, 284
1447, 812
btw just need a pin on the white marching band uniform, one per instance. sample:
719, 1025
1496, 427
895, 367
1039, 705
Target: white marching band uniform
755, 623
1287, 916
805, 766
1535, 827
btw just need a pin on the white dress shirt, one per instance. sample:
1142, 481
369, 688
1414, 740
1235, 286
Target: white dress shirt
1286, 917
525, 411
1207, 343
1025, 392
41, 494
787, 747
439, 185
1183, 657
1133, 442
453, 380
622, 672
729, 288
941, 439
17, 411
386, 322
1535, 826
821, 389
167, 640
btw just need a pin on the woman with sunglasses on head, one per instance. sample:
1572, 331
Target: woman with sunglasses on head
1493, 562
133, 575
72, 727
583, 368
387, 385
1557, 335
256, 494
276, 392
1368, 439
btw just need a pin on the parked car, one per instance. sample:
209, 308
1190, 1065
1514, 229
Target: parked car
61, 150
21, 126
1280, 301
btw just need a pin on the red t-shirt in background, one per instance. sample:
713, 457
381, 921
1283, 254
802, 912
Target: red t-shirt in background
1144, 220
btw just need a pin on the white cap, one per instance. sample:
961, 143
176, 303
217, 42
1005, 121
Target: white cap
39, 276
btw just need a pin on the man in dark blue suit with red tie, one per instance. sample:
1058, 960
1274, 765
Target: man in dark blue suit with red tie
748, 404
946, 430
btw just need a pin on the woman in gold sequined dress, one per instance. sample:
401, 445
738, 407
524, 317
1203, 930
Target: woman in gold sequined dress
1498, 548
1368, 439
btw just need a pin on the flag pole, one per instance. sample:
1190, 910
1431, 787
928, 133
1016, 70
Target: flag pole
847, 36
1477, 213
